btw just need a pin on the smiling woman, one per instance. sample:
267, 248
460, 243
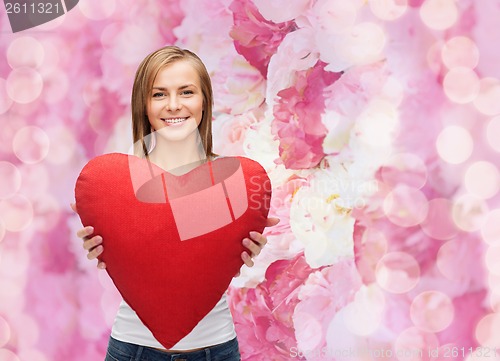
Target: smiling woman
172, 129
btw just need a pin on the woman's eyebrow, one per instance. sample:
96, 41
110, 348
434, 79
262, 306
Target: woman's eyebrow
180, 88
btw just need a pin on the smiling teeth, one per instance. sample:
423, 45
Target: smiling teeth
176, 120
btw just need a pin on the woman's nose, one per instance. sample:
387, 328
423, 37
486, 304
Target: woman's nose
173, 103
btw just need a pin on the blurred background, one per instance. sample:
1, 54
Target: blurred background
378, 122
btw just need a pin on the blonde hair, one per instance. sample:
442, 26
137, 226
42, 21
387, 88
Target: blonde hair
143, 83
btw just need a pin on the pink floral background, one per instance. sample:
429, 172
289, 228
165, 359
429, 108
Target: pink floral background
377, 120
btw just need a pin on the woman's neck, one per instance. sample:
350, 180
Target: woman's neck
177, 157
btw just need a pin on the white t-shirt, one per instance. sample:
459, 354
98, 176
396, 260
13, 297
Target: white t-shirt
215, 328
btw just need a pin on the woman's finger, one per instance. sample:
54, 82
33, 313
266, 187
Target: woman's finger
247, 259
92, 242
252, 247
95, 252
259, 238
272, 221
85, 232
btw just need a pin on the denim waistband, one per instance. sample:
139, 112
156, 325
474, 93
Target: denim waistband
138, 352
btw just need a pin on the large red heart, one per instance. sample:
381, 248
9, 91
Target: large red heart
172, 244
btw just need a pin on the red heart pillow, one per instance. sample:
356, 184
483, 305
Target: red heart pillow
172, 244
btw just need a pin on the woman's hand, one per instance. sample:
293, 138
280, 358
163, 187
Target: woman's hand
93, 245
90, 244
256, 242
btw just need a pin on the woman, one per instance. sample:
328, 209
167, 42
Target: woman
172, 117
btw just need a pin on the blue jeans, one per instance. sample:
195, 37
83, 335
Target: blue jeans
123, 351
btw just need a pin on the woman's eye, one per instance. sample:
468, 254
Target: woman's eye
158, 95
187, 92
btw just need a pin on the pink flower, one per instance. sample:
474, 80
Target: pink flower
297, 120
255, 37
239, 88
281, 202
281, 10
296, 52
324, 293
229, 133
263, 315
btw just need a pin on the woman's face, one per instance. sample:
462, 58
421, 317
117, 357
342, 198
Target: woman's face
175, 103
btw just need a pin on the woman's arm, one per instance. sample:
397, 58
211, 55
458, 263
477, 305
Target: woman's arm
256, 242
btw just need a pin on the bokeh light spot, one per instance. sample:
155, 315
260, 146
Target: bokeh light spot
432, 311
388, 9
412, 344
460, 51
490, 231
461, 85
10, 179
25, 51
377, 123
24, 85
16, 213
439, 14
491, 258
365, 43
7, 355
454, 144
493, 133
488, 329
482, 179
486, 101
439, 223
405, 168
5, 99
494, 296
469, 212
405, 206
31, 144
397, 272
62, 150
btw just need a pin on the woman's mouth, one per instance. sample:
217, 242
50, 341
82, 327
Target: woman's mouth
174, 121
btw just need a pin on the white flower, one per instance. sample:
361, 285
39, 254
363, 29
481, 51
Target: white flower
321, 224
261, 145
238, 87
